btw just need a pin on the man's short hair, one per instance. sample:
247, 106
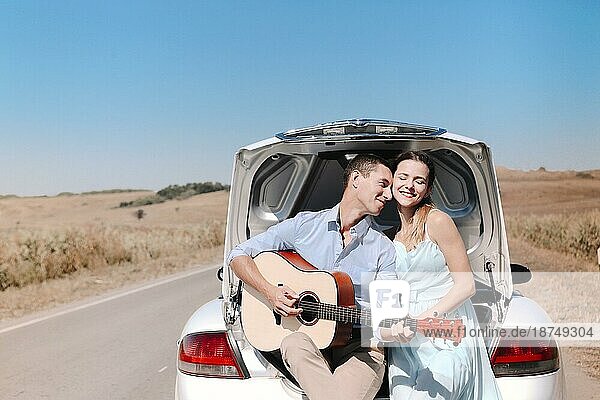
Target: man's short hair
363, 163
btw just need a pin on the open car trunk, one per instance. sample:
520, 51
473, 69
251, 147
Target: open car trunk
302, 170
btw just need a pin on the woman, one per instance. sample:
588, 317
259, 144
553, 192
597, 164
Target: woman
432, 258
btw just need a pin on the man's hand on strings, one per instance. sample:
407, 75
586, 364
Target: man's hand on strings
283, 299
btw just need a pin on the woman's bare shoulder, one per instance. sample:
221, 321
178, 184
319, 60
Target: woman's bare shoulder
438, 217
439, 223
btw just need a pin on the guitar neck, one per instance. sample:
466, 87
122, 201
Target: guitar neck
352, 315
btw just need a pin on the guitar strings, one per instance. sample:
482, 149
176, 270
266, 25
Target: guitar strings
354, 315
348, 314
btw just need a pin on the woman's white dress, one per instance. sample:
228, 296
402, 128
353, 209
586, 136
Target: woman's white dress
428, 368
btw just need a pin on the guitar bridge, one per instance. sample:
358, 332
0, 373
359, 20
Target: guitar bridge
277, 318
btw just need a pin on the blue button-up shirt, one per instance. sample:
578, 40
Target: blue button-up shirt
316, 237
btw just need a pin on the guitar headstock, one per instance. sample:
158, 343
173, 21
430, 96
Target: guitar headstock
442, 328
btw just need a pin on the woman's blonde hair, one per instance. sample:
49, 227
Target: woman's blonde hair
417, 232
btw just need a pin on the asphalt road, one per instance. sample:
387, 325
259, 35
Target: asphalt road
121, 346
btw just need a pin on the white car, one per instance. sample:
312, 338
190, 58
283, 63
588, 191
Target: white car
301, 169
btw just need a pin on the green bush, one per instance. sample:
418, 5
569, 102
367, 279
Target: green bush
190, 189
179, 192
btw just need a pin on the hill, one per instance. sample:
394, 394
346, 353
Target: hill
91, 209
548, 192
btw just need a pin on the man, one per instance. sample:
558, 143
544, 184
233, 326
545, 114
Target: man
341, 238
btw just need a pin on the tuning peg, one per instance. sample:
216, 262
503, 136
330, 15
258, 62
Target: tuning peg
445, 315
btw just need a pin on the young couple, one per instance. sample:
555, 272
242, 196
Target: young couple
345, 238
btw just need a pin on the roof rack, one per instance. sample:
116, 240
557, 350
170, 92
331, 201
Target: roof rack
360, 128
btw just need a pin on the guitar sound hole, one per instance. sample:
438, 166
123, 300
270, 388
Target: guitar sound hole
308, 301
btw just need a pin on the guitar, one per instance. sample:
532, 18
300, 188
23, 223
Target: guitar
327, 301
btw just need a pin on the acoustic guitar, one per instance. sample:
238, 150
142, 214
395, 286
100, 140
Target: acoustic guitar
327, 301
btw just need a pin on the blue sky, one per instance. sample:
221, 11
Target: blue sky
98, 95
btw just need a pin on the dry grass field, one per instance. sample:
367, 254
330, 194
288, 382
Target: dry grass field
543, 192
94, 209
54, 250
553, 224
554, 211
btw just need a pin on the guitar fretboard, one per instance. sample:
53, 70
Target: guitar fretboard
352, 315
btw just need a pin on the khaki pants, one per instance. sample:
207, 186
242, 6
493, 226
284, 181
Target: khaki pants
357, 371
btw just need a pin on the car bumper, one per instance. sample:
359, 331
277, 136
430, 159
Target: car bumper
189, 387
539, 387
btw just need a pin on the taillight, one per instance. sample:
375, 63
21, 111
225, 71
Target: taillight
525, 357
208, 354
